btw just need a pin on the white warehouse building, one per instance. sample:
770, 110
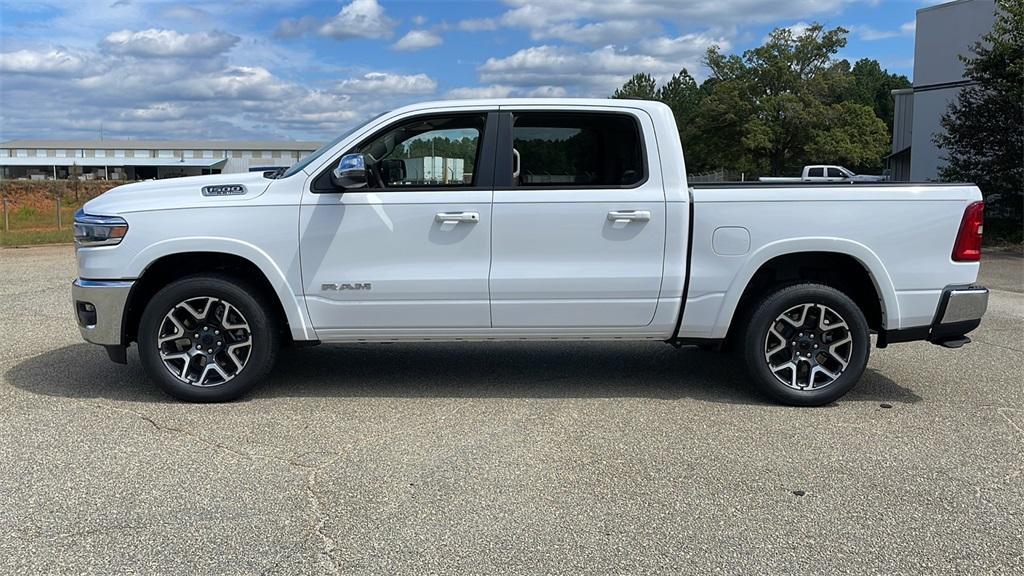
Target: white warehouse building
143, 159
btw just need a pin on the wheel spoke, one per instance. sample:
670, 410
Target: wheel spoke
185, 357
826, 325
198, 314
819, 369
212, 366
227, 324
832, 350
796, 323
179, 330
782, 342
234, 357
791, 365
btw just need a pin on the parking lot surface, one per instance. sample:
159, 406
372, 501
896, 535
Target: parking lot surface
516, 458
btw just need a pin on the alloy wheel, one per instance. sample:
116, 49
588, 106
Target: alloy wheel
204, 341
808, 346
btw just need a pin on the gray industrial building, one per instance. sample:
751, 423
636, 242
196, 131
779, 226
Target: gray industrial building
944, 32
142, 159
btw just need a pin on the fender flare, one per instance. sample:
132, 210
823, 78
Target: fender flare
294, 308
865, 256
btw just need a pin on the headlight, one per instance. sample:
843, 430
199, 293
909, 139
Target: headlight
98, 230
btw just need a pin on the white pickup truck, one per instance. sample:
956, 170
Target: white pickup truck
521, 219
824, 173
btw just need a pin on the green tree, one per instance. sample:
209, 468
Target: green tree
640, 86
780, 105
872, 86
682, 94
983, 137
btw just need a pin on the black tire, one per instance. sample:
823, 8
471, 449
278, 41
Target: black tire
766, 315
263, 329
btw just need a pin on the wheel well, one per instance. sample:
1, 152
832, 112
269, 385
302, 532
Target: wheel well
840, 271
169, 268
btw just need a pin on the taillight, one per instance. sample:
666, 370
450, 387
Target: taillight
968, 240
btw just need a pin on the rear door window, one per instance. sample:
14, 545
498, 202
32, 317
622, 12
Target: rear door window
816, 173
577, 150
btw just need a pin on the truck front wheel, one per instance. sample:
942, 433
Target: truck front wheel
207, 338
806, 344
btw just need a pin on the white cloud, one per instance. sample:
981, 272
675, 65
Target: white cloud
154, 43
53, 62
477, 24
596, 72
358, 19
597, 33
687, 45
870, 34
417, 40
156, 112
472, 92
718, 13
384, 84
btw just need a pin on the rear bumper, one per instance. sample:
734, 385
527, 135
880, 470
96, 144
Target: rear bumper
99, 309
959, 312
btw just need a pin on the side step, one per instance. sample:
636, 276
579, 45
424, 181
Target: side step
954, 342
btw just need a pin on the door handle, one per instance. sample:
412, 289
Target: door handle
624, 216
456, 217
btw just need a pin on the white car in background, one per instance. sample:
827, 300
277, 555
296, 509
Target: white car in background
824, 173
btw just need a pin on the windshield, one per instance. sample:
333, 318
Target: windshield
305, 160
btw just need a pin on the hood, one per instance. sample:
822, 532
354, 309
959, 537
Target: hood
172, 193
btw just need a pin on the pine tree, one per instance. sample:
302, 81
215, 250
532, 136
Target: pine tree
984, 126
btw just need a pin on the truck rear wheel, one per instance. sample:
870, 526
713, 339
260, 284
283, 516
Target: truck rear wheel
806, 345
207, 338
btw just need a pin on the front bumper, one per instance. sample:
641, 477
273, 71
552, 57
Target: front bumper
959, 312
99, 308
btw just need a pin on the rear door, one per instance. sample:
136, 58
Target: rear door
578, 237
815, 174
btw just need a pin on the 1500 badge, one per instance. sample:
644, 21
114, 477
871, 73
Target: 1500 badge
346, 286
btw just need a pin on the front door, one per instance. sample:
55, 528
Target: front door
579, 226
412, 249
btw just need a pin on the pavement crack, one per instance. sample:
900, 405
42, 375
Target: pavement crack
163, 427
320, 519
987, 343
320, 514
1003, 412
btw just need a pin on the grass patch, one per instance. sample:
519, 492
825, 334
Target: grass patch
29, 237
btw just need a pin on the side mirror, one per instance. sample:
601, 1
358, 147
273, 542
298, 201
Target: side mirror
350, 172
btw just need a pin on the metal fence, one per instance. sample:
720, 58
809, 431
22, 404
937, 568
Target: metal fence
33, 212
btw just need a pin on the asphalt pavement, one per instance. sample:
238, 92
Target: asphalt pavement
510, 458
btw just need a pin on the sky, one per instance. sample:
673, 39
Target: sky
310, 69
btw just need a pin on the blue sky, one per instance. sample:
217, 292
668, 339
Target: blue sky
307, 69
